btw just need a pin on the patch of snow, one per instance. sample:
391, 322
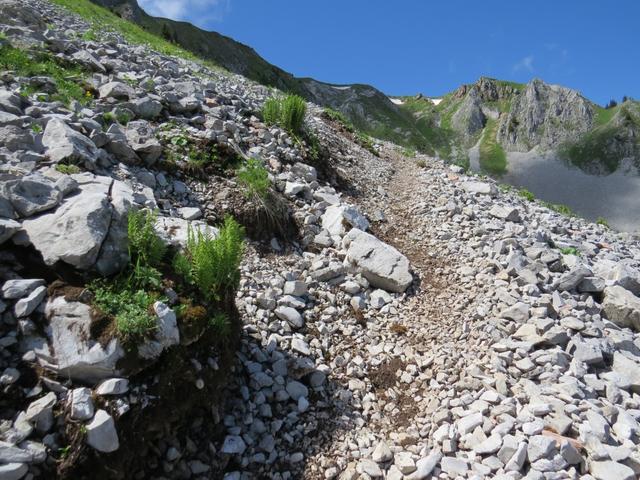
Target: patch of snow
436, 101
346, 87
397, 101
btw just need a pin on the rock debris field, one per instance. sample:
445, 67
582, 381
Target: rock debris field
421, 323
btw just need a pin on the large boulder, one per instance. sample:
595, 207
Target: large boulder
338, 219
63, 143
381, 264
622, 307
74, 353
75, 231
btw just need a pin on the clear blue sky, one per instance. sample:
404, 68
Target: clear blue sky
404, 47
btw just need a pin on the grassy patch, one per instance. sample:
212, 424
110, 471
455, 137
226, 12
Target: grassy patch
559, 208
409, 152
526, 194
570, 251
67, 169
366, 142
67, 78
493, 159
338, 117
604, 115
602, 221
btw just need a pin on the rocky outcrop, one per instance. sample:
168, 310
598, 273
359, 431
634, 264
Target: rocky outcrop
545, 116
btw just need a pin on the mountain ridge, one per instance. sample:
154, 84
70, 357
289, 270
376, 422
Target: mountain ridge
547, 117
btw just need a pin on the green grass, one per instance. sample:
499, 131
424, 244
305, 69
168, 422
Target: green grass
271, 111
254, 178
130, 309
66, 77
339, 117
366, 142
67, 169
526, 194
145, 246
287, 111
493, 159
570, 251
604, 115
409, 152
559, 208
602, 221
212, 264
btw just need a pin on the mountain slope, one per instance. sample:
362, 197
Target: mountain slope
533, 116
368, 108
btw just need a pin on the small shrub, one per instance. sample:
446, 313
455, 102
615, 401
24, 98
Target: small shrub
526, 194
421, 163
67, 169
254, 177
130, 310
145, 246
36, 128
602, 221
212, 264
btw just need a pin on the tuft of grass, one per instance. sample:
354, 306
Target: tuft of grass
421, 163
65, 77
254, 177
212, 263
288, 112
145, 246
36, 128
526, 194
67, 169
602, 221
199, 159
560, 208
90, 35
493, 159
123, 118
570, 251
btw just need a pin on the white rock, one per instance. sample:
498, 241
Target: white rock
381, 264
101, 433
81, 404
113, 386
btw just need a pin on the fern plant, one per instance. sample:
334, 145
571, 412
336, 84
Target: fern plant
145, 246
212, 263
271, 111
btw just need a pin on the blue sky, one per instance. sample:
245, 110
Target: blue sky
406, 47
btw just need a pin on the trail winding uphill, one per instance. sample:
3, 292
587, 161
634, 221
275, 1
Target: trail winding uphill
395, 317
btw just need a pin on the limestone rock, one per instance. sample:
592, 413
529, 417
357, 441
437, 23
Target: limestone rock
381, 264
